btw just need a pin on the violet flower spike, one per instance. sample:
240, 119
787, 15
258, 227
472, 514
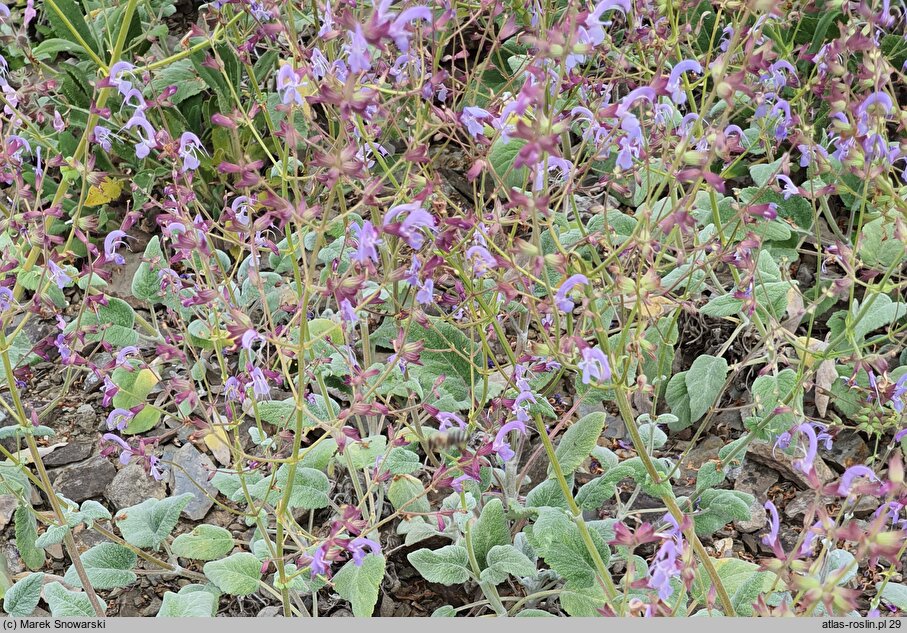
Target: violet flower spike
357, 51
500, 444
358, 547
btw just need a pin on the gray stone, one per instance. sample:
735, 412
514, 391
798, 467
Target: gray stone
848, 449
765, 453
101, 359
190, 473
757, 519
8, 504
270, 612
86, 480
69, 454
755, 478
800, 505
703, 452
132, 485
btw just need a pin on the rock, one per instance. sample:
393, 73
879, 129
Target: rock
8, 504
765, 453
863, 509
132, 485
615, 428
91, 381
755, 478
270, 612
71, 453
848, 449
85, 480
757, 520
799, 506
190, 470
703, 452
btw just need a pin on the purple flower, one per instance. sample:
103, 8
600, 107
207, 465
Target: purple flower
447, 420
6, 298
327, 20
233, 389
852, 473
288, 83
260, 386
102, 137
319, 564
500, 445
897, 397
123, 354
126, 451
123, 86
457, 484
358, 548
63, 349
119, 419
367, 238
58, 275
472, 118
112, 242
483, 259
563, 303
357, 50
397, 29
426, 292
190, 145
347, 312
678, 96
409, 229
145, 133
771, 539
790, 189
594, 365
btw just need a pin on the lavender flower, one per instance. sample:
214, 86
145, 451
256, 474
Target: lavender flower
594, 365
417, 218
357, 50
102, 138
367, 238
425, 295
852, 473
358, 547
260, 386
6, 298
146, 134
112, 242
288, 83
563, 303
678, 96
472, 118
190, 145
482, 259
771, 539
447, 420
119, 419
58, 275
500, 445
790, 189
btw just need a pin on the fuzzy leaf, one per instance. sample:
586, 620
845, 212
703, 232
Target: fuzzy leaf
704, 381
506, 559
64, 603
359, 584
578, 442
448, 565
237, 575
489, 531
150, 522
26, 535
22, 598
310, 487
205, 542
107, 565
190, 605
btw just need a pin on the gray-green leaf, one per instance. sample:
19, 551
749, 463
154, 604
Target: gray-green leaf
237, 575
448, 565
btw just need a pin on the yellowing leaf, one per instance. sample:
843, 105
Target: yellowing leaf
218, 443
108, 190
